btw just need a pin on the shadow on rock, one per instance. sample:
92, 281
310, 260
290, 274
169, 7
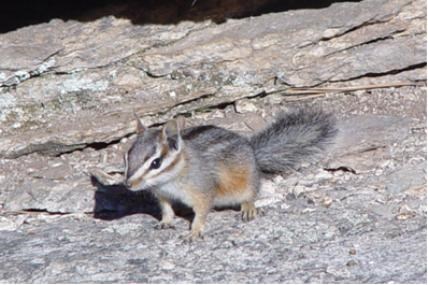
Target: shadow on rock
116, 201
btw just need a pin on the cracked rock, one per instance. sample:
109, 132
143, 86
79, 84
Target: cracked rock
69, 88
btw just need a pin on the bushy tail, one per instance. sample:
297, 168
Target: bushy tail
293, 137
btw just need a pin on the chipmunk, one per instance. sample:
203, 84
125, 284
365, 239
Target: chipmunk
208, 166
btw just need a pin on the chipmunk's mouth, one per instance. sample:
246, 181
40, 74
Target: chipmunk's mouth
136, 185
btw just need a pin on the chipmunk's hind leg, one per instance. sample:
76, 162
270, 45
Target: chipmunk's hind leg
238, 184
248, 211
248, 208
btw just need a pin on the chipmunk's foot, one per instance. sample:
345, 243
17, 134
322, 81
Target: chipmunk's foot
193, 236
248, 211
164, 226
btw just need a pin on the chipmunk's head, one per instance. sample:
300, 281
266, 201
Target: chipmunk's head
156, 157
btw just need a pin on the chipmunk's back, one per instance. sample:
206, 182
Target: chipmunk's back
231, 159
205, 137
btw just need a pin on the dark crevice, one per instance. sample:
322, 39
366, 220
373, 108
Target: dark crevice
57, 149
185, 102
45, 211
102, 145
341, 168
15, 80
389, 72
350, 30
362, 25
94, 145
223, 105
20, 13
387, 37
373, 148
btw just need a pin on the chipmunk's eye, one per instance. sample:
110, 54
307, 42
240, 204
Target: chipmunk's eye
155, 163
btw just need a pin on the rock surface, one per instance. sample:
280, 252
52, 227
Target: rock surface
68, 91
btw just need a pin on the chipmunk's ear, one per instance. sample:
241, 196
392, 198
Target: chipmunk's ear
140, 127
179, 123
173, 127
171, 132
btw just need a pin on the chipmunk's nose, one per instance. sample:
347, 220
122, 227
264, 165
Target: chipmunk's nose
131, 184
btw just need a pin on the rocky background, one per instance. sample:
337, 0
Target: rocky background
72, 73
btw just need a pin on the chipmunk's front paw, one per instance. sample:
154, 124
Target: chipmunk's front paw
164, 226
248, 211
193, 236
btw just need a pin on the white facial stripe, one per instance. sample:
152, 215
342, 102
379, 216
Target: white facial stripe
143, 168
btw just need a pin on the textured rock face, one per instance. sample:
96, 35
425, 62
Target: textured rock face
68, 91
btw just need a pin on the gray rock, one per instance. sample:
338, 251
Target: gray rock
406, 178
68, 91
